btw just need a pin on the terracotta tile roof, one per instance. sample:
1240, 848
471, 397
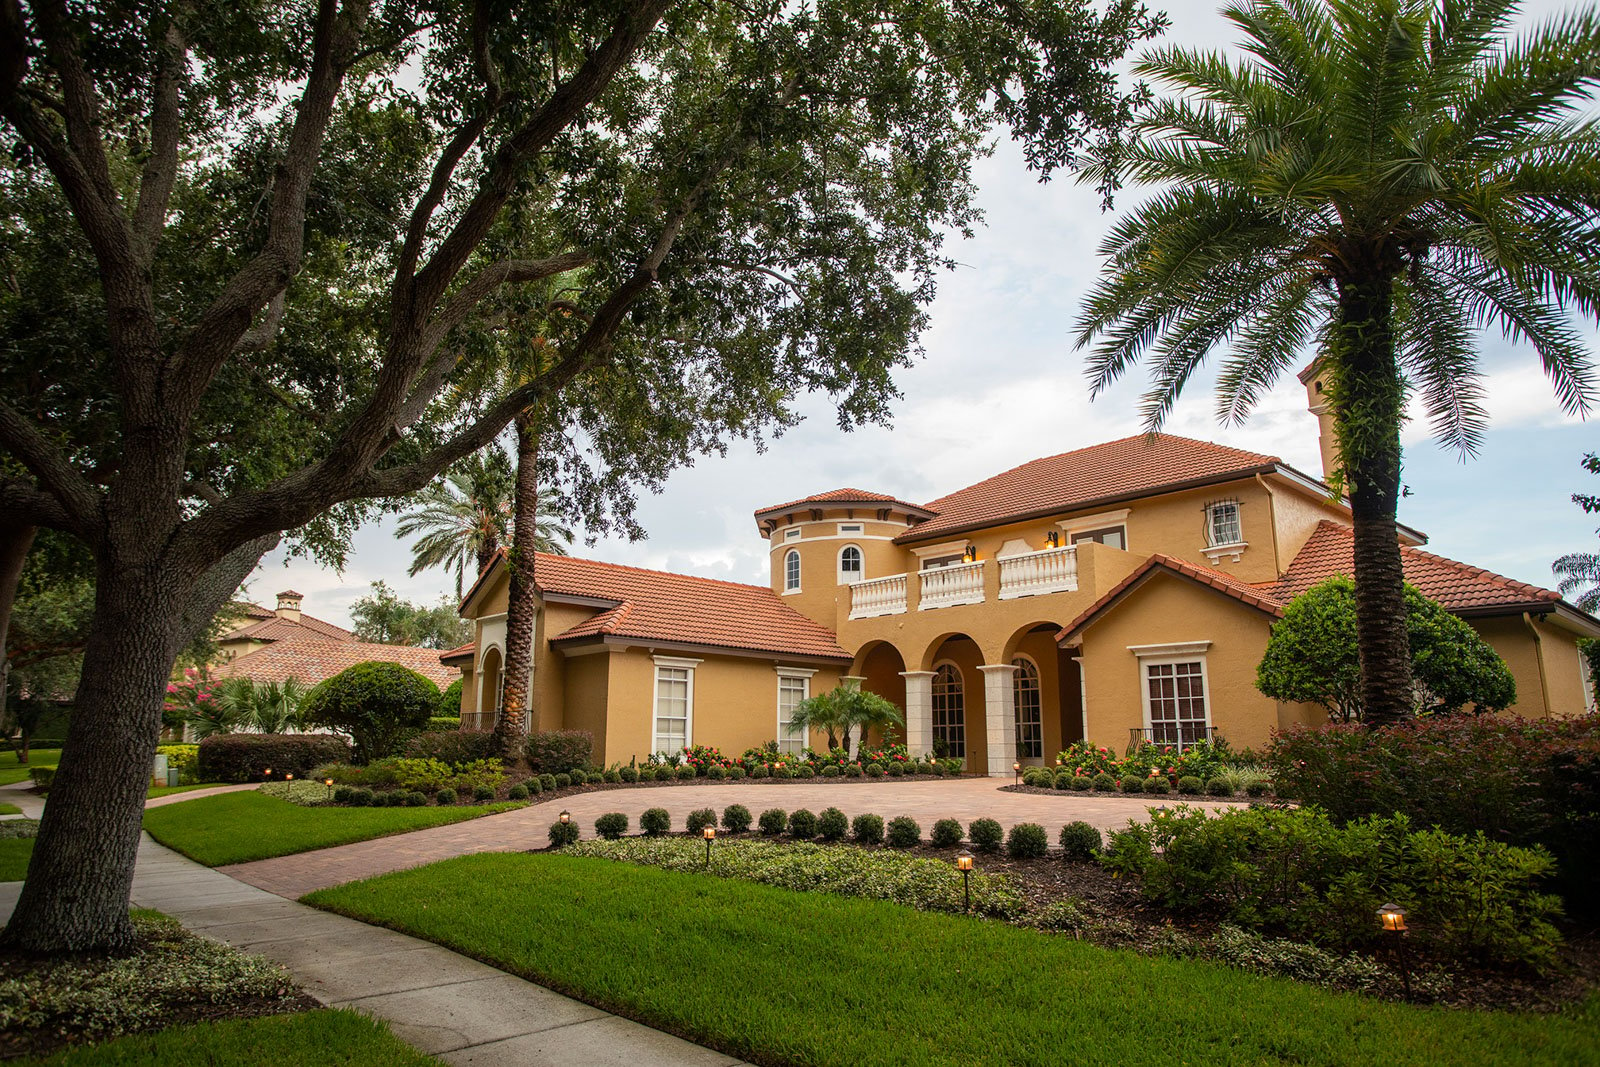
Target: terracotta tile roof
276, 629
1099, 474
312, 661
1461, 588
840, 496
1227, 584
656, 605
465, 651
254, 611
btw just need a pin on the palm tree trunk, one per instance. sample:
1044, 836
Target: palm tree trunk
521, 610
1369, 405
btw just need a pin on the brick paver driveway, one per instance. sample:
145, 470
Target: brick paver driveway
527, 828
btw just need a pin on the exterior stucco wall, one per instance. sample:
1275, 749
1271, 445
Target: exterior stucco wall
586, 700
1558, 649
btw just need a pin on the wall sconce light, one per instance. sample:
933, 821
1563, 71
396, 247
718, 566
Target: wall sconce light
964, 865
970, 555
1053, 539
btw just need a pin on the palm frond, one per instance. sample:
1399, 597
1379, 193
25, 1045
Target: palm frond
1437, 354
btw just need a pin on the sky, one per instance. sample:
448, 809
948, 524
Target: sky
1000, 384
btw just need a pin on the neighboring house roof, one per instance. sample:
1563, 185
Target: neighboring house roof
460, 652
845, 496
277, 629
1462, 589
312, 661
1226, 584
1099, 474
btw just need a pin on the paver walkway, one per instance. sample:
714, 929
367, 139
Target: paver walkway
965, 799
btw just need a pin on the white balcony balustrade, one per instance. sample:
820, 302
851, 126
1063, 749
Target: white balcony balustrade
1054, 570
944, 587
879, 596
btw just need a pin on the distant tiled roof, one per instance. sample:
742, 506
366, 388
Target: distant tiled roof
1100, 474
276, 629
253, 611
1461, 588
1223, 583
312, 661
845, 496
656, 605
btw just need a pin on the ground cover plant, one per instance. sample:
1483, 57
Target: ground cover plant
699, 978
244, 826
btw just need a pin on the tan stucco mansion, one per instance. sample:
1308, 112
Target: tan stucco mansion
1119, 591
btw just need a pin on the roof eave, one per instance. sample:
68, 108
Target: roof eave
631, 641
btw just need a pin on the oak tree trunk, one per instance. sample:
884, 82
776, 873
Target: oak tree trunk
522, 608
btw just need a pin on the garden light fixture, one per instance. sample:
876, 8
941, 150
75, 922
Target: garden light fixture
288, 777
710, 834
964, 865
266, 773
566, 816
329, 783
1392, 918
1016, 773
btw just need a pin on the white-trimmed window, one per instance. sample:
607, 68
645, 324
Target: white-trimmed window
792, 534
950, 710
849, 565
793, 687
1175, 701
791, 571
674, 709
1030, 719
851, 529
1222, 524
1114, 536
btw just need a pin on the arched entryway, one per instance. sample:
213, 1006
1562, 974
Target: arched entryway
949, 702
489, 679
881, 669
1047, 693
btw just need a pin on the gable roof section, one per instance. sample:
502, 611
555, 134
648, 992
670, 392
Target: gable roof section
313, 661
1461, 588
276, 629
838, 497
1226, 584
1099, 474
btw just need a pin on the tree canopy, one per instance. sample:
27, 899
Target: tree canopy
387, 619
1579, 572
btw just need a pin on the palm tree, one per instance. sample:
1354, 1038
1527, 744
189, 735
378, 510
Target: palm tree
1379, 180
1580, 571
842, 709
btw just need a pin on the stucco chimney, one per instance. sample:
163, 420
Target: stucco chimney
289, 605
1317, 400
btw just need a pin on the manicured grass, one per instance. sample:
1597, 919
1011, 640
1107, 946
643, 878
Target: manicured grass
323, 1038
10, 809
168, 790
781, 977
13, 771
14, 855
239, 827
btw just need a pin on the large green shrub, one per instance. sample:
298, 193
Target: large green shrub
243, 757
449, 706
613, 824
1293, 870
802, 824
451, 746
773, 821
832, 825
655, 821
378, 704
699, 819
946, 833
1081, 840
557, 751
867, 829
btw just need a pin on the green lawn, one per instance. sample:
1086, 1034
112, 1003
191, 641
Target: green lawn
239, 827
14, 853
10, 809
168, 790
321, 1038
13, 771
781, 977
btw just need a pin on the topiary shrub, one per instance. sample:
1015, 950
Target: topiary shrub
243, 757
482, 793
1219, 787
802, 825
805, 770
736, 774
1190, 786
450, 746
1132, 783
1157, 784
655, 821
736, 818
903, 832
782, 770
341, 795
563, 781
946, 833
554, 751
685, 772
1027, 841
1257, 788
1065, 780
895, 770
611, 777
612, 825
773, 821
547, 782
517, 792
416, 798
699, 819
716, 772
760, 770
939, 770
1104, 783
361, 798
1081, 783
378, 704
564, 833
830, 771
852, 770
985, 835
535, 786
629, 775
596, 778
449, 706
832, 825
867, 829
875, 770
1081, 841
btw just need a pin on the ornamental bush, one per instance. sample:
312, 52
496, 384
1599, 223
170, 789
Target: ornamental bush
612, 825
805, 770
611, 777
1190, 786
875, 770
1081, 841
946, 833
736, 818
482, 794
378, 704
832, 825
1157, 785
830, 770
1066, 780
867, 829
716, 772
242, 757
450, 746
563, 834
1104, 783
547, 782
736, 773
699, 819
1219, 787
563, 781
896, 770
802, 825
517, 792
629, 775
554, 751
1132, 784
1081, 783
903, 832
773, 821
852, 770
985, 835
685, 773
449, 706
655, 821
1027, 841
760, 770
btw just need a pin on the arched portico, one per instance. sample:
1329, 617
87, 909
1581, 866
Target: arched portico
489, 687
1046, 699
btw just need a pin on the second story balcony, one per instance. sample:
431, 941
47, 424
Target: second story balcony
1052, 570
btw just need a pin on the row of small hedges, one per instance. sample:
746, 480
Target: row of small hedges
443, 722
1519, 781
243, 757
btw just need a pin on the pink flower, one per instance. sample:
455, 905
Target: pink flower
171, 688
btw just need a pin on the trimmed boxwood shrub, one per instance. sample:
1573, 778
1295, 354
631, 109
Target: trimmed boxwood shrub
563, 781
596, 778
852, 770
451, 746
939, 770
361, 798
611, 777
564, 833
628, 774
242, 757
1065, 780
716, 772
867, 829
1081, 841
802, 824
805, 770
895, 770
1081, 783
416, 798
1190, 786
1219, 787
1257, 788
736, 773
517, 792
685, 773
1027, 841
781, 770
1104, 783
535, 786
450, 704
773, 821
830, 771
946, 833
1132, 784
612, 825
439, 723
736, 818
554, 751
903, 832
547, 782
832, 825
655, 821
482, 793
985, 835
760, 770
699, 819
378, 704
1157, 784
875, 770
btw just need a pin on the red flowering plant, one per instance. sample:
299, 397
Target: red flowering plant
884, 754
703, 757
1082, 758
193, 701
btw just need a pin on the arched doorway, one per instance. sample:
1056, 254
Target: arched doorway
489, 686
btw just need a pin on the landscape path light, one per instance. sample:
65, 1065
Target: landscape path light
288, 777
266, 774
1392, 919
329, 783
964, 865
1016, 773
710, 834
566, 816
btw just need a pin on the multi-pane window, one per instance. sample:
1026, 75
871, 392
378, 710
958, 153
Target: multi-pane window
1177, 702
791, 570
850, 565
791, 691
949, 711
1114, 536
1222, 524
674, 693
1030, 721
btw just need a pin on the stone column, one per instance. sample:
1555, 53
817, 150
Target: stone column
919, 712
1000, 717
